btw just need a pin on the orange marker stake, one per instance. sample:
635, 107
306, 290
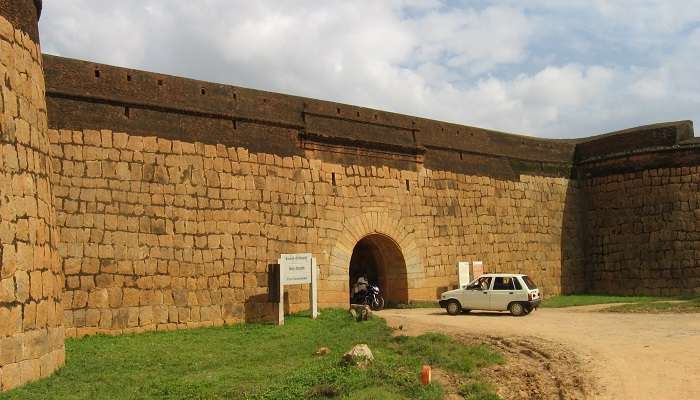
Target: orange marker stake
426, 375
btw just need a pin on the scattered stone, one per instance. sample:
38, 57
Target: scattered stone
365, 313
322, 351
360, 312
360, 355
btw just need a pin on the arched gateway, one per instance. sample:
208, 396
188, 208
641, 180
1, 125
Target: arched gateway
378, 244
379, 259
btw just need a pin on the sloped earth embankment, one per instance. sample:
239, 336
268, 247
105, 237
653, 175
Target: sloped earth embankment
533, 369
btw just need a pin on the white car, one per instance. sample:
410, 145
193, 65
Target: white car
494, 292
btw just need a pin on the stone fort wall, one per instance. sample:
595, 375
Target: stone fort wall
162, 234
134, 201
173, 196
31, 316
641, 211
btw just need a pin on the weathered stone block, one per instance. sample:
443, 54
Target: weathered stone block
7, 290
22, 286
36, 282
130, 297
30, 370
98, 298
10, 350
92, 317
11, 376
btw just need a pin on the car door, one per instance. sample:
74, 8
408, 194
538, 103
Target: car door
475, 297
503, 293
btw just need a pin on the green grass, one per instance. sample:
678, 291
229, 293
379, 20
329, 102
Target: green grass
376, 393
691, 305
590, 299
255, 361
441, 351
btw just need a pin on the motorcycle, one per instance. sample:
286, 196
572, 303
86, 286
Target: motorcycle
371, 297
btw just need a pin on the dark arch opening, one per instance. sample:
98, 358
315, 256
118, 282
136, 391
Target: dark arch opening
379, 258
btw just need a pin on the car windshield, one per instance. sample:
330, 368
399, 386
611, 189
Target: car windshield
529, 283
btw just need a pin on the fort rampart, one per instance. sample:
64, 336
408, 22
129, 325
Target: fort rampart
149, 202
31, 284
173, 196
641, 210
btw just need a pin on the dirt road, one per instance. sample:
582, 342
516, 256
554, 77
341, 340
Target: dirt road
631, 356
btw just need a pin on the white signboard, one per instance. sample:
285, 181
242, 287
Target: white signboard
463, 268
296, 268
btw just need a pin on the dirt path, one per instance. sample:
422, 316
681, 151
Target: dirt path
631, 356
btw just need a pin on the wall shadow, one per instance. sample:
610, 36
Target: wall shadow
263, 307
574, 278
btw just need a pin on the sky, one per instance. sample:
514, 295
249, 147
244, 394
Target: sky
546, 68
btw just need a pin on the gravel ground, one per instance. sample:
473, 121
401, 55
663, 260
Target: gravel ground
578, 352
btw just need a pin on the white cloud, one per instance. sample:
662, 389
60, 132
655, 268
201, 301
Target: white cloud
115, 33
469, 40
568, 86
652, 85
546, 68
650, 16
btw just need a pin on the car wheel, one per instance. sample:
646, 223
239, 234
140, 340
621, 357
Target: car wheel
453, 307
516, 309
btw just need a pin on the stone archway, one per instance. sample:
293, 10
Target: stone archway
334, 289
379, 258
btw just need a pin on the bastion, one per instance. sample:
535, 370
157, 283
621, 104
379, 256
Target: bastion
134, 201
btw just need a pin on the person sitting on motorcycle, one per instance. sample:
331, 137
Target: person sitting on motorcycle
360, 287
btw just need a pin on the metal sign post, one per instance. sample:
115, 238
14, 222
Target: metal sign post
280, 305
